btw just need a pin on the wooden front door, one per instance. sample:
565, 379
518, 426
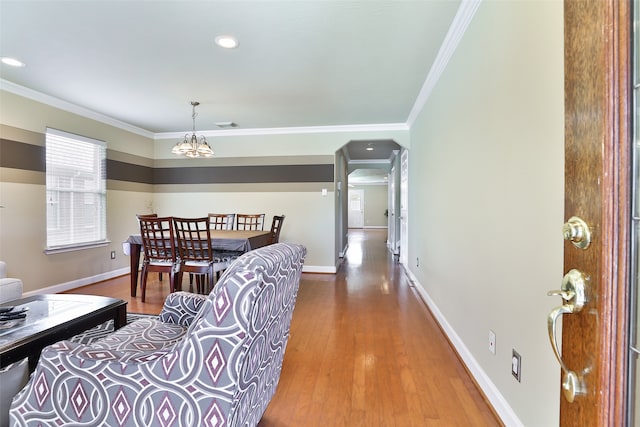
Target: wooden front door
597, 189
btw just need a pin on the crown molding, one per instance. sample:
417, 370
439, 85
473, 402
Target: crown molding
71, 108
461, 21
290, 130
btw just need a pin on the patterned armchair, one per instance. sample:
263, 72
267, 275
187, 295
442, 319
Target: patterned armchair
205, 361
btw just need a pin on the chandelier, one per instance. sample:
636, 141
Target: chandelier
193, 146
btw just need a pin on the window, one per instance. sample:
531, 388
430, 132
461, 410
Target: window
76, 191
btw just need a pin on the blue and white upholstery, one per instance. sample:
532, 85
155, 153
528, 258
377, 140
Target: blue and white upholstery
219, 364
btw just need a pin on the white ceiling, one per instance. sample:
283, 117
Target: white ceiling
299, 63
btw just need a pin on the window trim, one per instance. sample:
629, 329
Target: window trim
78, 245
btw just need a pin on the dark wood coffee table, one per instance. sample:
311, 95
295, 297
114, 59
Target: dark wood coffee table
52, 318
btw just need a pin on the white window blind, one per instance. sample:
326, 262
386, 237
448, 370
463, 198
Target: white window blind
76, 190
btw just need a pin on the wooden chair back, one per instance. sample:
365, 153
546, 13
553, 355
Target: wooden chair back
276, 226
250, 222
158, 247
196, 253
157, 239
222, 221
193, 239
153, 215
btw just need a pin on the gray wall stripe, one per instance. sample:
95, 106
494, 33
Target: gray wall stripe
18, 155
244, 174
122, 171
22, 156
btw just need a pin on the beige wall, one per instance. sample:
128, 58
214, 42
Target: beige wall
309, 216
486, 199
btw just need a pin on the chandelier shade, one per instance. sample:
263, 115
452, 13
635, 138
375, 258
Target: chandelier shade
193, 146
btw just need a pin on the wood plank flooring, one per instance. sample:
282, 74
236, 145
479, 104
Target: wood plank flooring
364, 349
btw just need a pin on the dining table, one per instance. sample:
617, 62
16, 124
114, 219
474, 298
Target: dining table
221, 240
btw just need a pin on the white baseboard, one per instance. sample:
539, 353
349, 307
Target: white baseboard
497, 400
62, 287
319, 269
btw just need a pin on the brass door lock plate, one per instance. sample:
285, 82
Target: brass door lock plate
577, 231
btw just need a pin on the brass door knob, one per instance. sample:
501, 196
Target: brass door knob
573, 293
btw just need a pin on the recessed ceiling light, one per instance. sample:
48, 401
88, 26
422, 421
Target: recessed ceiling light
227, 42
12, 61
369, 148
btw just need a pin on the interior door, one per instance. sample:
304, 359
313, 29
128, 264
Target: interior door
356, 208
597, 179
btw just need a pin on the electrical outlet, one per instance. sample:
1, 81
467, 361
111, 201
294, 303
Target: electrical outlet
492, 341
417, 262
113, 254
516, 365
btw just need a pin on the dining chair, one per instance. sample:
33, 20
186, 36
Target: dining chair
158, 247
276, 226
250, 222
152, 215
222, 221
196, 254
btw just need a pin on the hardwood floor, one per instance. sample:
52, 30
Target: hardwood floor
364, 349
